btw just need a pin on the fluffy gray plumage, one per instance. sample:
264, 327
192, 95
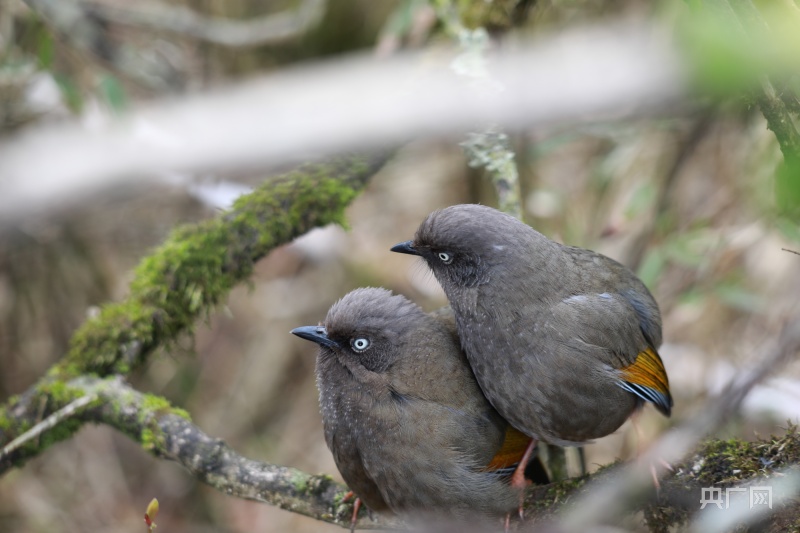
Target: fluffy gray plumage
404, 417
547, 328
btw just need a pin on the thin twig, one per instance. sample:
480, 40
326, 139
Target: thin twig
48, 423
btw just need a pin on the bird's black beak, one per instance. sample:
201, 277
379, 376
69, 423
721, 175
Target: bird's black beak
405, 248
316, 334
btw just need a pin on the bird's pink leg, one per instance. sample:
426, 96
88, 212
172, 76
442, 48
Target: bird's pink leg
639, 439
356, 508
518, 480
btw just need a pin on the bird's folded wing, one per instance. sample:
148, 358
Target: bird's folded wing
647, 379
607, 326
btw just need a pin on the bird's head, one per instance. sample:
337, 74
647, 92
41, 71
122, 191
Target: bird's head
367, 329
461, 243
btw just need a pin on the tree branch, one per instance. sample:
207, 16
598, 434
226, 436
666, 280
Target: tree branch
365, 104
183, 279
167, 433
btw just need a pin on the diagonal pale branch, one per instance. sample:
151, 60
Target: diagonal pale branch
606, 72
50, 422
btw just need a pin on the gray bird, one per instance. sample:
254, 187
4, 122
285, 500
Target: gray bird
408, 426
562, 340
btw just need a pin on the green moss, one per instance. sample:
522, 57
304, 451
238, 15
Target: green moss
157, 405
54, 395
6, 422
342, 497
343, 503
183, 280
64, 430
149, 440
183, 413
104, 341
319, 484
560, 492
727, 461
199, 264
59, 393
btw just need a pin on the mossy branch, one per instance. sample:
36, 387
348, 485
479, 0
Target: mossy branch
199, 264
191, 273
167, 433
180, 282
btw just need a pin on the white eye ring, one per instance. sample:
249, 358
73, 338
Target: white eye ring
445, 257
360, 344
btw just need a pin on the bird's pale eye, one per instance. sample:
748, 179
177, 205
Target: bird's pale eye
360, 344
445, 257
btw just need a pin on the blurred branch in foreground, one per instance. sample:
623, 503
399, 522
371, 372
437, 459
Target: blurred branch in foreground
601, 72
605, 72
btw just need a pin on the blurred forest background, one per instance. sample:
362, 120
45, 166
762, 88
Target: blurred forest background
688, 200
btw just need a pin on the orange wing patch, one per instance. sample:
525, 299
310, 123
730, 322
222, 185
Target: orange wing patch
511, 453
647, 379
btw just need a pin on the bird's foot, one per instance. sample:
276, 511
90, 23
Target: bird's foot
654, 473
356, 507
518, 479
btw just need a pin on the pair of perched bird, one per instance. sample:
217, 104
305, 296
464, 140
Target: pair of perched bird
421, 411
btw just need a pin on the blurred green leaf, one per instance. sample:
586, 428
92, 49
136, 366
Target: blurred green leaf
400, 21
641, 200
113, 93
789, 229
736, 296
651, 266
688, 249
45, 49
69, 91
787, 188
692, 296
550, 144
729, 51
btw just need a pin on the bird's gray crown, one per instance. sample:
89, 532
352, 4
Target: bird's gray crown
373, 311
471, 227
